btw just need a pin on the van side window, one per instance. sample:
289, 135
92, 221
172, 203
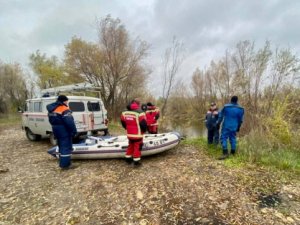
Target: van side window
26, 107
93, 106
37, 107
76, 106
30, 106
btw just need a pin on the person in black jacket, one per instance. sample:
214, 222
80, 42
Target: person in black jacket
63, 127
212, 126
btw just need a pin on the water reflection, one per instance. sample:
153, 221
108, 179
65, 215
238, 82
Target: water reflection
192, 130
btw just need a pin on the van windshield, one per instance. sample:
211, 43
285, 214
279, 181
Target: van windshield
93, 106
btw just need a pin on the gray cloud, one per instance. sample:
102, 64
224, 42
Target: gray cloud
203, 23
207, 28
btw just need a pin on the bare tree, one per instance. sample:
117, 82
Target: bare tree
121, 58
243, 60
199, 87
284, 67
180, 104
115, 63
210, 86
250, 66
171, 63
261, 61
219, 79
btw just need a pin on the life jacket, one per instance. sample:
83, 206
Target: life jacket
61, 120
134, 120
152, 115
211, 118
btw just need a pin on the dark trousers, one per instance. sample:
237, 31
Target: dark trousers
213, 136
65, 151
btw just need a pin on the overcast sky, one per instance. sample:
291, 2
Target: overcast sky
206, 28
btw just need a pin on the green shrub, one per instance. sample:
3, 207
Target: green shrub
256, 148
278, 125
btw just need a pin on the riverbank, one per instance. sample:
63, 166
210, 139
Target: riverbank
182, 186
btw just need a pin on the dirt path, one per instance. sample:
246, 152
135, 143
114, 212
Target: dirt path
181, 186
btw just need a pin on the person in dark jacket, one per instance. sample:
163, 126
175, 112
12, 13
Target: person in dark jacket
211, 122
232, 116
144, 107
63, 127
134, 121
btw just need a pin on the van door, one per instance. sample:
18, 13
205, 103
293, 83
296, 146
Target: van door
80, 115
36, 118
41, 118
97, 115
25, 114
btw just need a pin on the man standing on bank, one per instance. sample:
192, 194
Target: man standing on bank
134, 121
152, 115
64, 129
212, 126
232, 116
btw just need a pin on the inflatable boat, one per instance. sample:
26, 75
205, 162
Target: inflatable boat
115, 147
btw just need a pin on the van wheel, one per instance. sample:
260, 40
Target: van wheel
53, 140
31, 136
94, 132
106, 133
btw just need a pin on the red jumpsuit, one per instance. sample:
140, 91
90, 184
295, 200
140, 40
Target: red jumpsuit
134, 121
152, 115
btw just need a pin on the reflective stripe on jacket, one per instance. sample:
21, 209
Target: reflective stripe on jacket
135, 123
152, 115
61, 120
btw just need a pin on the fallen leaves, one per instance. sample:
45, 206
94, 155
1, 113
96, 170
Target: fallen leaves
182, 186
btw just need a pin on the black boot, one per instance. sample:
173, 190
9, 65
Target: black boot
225, 155
137, 163
232, 152
128, 160
71, 167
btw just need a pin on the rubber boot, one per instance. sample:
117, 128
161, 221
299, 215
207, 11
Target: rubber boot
225, 155
137, 163
71, 167
128, 160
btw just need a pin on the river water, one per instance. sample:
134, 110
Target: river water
193, 130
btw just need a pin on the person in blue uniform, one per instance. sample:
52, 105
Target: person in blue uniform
232, 116
64, 129
212, 126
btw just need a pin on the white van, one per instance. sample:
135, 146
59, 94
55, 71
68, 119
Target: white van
89, 114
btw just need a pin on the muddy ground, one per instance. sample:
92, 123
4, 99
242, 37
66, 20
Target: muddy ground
181, 186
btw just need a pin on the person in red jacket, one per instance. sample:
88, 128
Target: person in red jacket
152, 115
134, 121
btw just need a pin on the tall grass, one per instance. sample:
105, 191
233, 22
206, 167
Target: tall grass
10, 119
258, 148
